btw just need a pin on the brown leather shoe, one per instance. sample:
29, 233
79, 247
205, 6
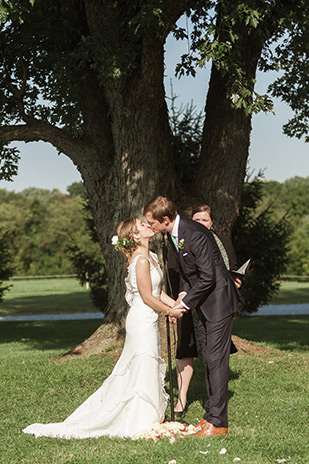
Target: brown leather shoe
201, 423
210, 430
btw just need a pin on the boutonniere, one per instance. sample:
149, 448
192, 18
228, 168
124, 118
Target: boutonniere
181, 244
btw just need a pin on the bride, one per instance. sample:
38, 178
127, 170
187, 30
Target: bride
133, 397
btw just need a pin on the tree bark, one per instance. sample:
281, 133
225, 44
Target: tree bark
226, 140
224, 154
141, 150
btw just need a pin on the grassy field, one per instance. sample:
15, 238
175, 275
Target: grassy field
287, 333
268, 406
292, 293
45, 296
64, 296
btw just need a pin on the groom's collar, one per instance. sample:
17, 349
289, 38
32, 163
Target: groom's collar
176, 227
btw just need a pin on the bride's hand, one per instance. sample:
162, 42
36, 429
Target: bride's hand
177, 312
172, 320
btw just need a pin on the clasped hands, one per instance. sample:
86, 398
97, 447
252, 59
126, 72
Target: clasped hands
178, 305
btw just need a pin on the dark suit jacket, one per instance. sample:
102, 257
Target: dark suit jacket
203, 274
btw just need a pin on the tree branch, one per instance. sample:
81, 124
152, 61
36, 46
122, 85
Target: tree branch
174, 10
41, 131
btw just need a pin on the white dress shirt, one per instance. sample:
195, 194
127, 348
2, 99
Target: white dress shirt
176, 227
175, 234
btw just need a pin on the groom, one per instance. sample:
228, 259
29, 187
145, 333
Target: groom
205, 284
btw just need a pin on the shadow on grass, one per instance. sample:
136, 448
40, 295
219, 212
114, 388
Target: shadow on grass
48, 335
64, 335
197, 390
280, 332
75, 302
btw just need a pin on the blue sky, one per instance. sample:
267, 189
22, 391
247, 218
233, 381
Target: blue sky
279, 156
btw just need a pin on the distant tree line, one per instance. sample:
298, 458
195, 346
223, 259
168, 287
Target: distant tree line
47, 232
41, 225
291, 199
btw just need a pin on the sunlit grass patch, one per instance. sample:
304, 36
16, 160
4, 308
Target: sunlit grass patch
46, 296
267, 406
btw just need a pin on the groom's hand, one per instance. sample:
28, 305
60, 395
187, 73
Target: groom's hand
178, 303
178, 306
180, 297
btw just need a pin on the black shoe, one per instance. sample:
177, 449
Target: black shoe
181, 413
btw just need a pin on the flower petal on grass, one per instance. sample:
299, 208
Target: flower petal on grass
166, 429
222, 451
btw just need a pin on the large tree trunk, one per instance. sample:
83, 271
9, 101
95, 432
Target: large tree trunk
118, 189
142, 152
226, 134
224, 154
127, 135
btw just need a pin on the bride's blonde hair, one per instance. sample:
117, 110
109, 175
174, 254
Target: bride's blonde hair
125, 230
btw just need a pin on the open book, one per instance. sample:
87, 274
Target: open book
240, 272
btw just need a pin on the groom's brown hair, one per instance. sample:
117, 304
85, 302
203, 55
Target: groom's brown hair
160, 207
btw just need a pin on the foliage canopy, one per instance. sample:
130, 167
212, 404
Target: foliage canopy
45, 46
41, 225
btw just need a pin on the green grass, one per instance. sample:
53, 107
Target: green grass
268, 406
45, 296
64, 296
268, 392
292, 293
288, 333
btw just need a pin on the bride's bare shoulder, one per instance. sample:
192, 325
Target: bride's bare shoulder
139, 259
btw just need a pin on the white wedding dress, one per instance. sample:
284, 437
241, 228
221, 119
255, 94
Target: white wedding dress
133, 397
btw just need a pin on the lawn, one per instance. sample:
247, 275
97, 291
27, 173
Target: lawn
287, 333
292, 293
45, 296
268, 406
65, 296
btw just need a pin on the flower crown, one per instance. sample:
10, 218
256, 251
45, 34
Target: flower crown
121, 242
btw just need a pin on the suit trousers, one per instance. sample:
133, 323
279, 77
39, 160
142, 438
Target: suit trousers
215, 339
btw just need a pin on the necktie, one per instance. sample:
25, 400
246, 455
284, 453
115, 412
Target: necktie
175, 242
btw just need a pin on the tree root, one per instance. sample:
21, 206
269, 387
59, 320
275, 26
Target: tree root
243, 346
108, 336
111, 336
